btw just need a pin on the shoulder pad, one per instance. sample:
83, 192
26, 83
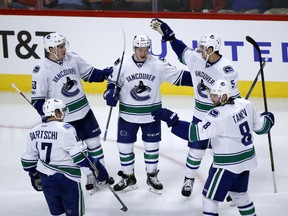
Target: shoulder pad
214, 113
228, 69
117, 62
36, 69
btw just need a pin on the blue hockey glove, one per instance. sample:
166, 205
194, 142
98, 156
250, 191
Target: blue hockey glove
166, 115
102, 174
160, 26
107, 72
269, 116
35, 180
111, 100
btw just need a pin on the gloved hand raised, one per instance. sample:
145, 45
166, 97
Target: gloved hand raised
269, 116
35, 180
166, 115
160, 26
111, 99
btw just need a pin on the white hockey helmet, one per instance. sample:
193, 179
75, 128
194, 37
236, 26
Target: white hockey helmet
220, 88
52, 104
141, 41
210, 40
54, 40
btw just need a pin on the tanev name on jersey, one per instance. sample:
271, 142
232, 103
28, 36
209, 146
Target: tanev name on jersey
39, 134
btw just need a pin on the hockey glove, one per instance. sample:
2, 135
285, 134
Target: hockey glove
111, 99
166, 115
102, 174
269, 116
35, 181
203, 87
160, 26
107, 72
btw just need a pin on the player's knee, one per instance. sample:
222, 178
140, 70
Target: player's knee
240, 199
196, 153
125, 148
151, 146
93, 143
210, 207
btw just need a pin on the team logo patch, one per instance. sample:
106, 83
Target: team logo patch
36, 69
67, 126
140, 92
70, 88
214, 113
228, 69
123, 133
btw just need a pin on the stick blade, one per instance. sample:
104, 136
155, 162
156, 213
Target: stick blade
253, 42
124, 209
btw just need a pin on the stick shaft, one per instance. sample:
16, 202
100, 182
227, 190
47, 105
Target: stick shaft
115, 88
256, 46
255, 80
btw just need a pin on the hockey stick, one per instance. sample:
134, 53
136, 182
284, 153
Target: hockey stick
124, 207
20, 92
256, 79
256, 46
115, 88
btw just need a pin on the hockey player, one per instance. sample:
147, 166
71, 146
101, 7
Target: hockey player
230, 125
138, 90
59, 76
53, 157
207, 66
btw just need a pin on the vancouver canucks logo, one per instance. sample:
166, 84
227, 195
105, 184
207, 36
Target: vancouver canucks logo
70, 88
140, 92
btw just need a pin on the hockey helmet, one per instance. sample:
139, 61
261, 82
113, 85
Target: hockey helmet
53, 104
210, 40
220, 88
141, 41
54, 40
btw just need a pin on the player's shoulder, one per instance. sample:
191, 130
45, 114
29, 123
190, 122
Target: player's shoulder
41, 66
226, 65
66, 126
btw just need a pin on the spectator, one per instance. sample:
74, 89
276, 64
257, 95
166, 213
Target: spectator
211, 6
71, 4
137, 5
5, 4
174, 5
244, 6
277, 7
26, 4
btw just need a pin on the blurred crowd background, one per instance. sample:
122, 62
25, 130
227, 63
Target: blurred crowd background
192, 6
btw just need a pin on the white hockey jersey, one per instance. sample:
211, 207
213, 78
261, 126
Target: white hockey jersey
208, 74
62, 80
54, 148
231, 128
140, 87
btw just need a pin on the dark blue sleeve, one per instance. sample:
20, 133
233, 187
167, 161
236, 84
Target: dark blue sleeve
178, 46
38, 104
186, 79
97, 76
181, 129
